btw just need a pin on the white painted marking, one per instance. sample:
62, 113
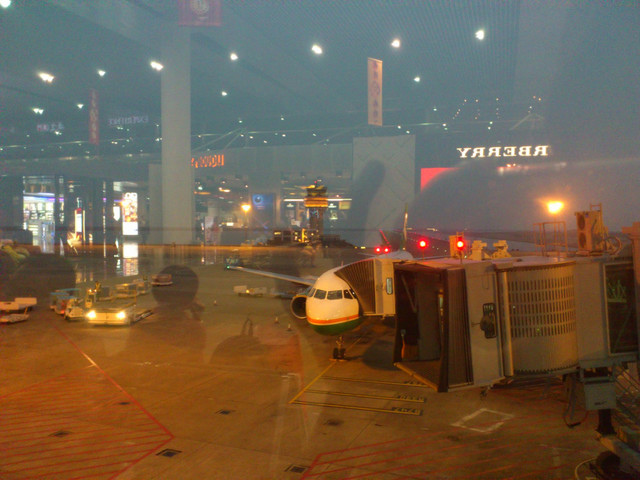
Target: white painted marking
486, 429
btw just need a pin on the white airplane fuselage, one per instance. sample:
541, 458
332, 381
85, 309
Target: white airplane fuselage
331, 305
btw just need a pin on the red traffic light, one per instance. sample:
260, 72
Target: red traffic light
460, 243
378, 250
382, 249
422, 243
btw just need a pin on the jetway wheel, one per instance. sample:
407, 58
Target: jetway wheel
607, 467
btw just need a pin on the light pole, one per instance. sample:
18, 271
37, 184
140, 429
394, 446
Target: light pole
246, 207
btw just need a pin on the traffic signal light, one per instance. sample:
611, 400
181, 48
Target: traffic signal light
460, 243
422, 243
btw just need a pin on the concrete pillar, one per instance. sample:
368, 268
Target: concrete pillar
178, 208
155, 204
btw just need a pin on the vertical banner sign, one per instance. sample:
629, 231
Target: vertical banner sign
374, 81
199, 13
130, 213
94, 130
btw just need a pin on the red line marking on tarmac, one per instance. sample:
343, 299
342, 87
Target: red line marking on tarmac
114, 382
513, 423
95, 398
532, 422
430, 452
66, 447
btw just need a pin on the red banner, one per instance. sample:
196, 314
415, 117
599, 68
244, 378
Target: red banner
94, 127
374, 83
199, 13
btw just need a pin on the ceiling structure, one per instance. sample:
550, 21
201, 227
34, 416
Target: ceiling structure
278, 83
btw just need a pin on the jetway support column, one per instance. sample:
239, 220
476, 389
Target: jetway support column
178, 208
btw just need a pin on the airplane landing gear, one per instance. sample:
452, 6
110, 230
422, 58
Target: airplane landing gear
339, 350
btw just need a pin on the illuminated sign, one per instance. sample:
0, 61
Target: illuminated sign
316, 202
50, 127
130, 120
208, 161
511, 151
130, 213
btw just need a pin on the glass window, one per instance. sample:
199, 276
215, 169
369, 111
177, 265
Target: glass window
311, 292
335, 295
321, 294
347, 294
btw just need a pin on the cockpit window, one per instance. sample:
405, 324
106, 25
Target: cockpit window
334, 295
347, 294
321, 294
311, 292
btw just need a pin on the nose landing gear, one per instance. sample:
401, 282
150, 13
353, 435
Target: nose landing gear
339, 350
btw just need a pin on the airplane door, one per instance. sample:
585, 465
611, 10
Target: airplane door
384, 285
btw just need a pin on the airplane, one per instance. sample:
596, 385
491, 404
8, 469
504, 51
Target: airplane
329, 304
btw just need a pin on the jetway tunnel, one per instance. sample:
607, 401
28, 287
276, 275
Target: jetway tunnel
432, 340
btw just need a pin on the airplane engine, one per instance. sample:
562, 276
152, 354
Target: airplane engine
298, 307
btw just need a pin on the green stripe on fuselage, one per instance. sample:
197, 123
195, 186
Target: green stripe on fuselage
337, 328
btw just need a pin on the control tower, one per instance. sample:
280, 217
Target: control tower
316, 202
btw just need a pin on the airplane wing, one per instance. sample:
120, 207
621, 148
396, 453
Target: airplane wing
309, 281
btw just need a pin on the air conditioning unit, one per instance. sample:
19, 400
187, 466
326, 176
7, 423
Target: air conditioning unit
591, 231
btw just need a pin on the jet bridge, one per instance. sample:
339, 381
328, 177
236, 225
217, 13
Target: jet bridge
474, 323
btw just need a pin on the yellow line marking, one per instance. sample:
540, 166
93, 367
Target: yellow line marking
294, 399
381, 382
379, 397
398, 410
301, 392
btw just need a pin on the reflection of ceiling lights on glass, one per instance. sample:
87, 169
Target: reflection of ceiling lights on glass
101, 72
224, 93
480, 34
395, 43
156, 65
46, 77
317, 49
37, 110
233, 56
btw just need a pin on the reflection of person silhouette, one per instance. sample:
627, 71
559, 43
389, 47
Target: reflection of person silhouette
309, 255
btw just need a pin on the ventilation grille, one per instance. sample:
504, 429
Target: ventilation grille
543, 318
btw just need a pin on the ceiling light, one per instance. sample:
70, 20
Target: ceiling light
156, 65
317, 49
224, 93
480, 34
233, 56
5, 3
102, 73
46, 77
416, 79
37, 110
395, 43
80, 105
